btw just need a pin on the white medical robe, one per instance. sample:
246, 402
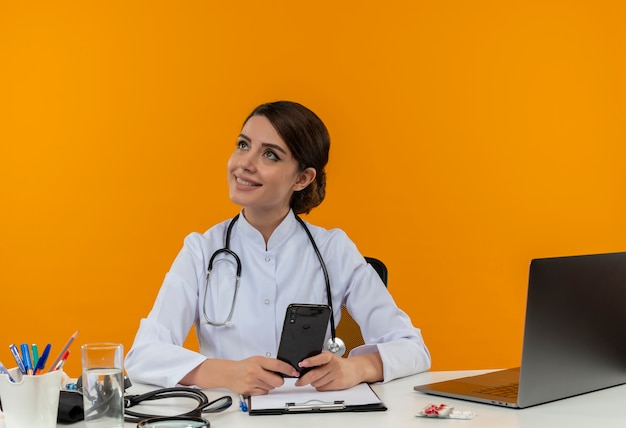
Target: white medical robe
287, 271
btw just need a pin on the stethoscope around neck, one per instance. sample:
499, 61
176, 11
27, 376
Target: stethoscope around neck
334, 344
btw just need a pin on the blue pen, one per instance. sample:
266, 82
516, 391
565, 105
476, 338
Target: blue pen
6, 372
242, 403
28, 363
18, 359
42, 360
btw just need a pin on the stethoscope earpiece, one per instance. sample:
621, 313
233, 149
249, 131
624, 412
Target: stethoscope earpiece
336, 346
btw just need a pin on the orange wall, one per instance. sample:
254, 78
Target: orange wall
468, 138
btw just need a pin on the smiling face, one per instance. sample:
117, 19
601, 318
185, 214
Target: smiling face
262, 173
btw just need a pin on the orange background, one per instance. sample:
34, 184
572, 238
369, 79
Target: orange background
467, 138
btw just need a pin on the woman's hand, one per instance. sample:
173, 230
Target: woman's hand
258, 375
332, 372
251, 376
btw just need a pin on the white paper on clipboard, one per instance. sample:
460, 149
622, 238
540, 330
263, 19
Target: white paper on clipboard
278, 398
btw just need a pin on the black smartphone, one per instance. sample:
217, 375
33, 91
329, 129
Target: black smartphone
304, 331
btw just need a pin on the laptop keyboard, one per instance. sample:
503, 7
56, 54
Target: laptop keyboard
508, 391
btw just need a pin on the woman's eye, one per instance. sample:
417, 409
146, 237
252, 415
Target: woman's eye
271, 155
242, 145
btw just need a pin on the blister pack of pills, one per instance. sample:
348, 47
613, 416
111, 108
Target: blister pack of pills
444, 411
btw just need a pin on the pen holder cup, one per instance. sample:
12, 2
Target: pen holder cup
30, 401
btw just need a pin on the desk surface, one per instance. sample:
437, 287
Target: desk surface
600, 409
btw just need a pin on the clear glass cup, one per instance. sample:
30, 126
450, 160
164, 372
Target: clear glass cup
103, 384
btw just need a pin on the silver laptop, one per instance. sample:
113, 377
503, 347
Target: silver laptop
574, 336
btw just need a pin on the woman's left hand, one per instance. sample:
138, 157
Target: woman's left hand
331, 372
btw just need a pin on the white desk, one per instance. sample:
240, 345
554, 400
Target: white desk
598, 409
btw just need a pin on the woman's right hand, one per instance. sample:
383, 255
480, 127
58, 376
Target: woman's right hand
258, 375
251, 376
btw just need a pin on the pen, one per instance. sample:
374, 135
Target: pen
59, 365
62, 353
6, 372
18, 359
35, 355
42, 360
242, 403
28, 364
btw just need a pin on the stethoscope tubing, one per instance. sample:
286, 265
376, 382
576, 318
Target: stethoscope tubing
333, 341
326, 276
203, 406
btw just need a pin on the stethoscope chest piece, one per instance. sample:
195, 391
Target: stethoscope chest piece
336, 346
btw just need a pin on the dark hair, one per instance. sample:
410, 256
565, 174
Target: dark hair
309, 142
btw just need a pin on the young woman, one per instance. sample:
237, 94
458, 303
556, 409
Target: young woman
275, 173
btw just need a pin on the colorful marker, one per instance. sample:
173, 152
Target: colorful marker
35, 355
6, 372
28, 364
62, 353
42, 360
18, 359
61, 362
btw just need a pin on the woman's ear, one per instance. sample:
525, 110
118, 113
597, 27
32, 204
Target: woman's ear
305, 178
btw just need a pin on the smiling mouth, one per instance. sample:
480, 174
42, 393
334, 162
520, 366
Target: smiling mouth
246, 183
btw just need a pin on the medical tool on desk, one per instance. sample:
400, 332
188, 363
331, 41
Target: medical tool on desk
203, 405
182, 422
334, 344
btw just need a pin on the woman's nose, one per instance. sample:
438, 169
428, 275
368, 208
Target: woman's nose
245, 160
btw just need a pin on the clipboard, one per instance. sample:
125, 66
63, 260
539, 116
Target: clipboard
291, 399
